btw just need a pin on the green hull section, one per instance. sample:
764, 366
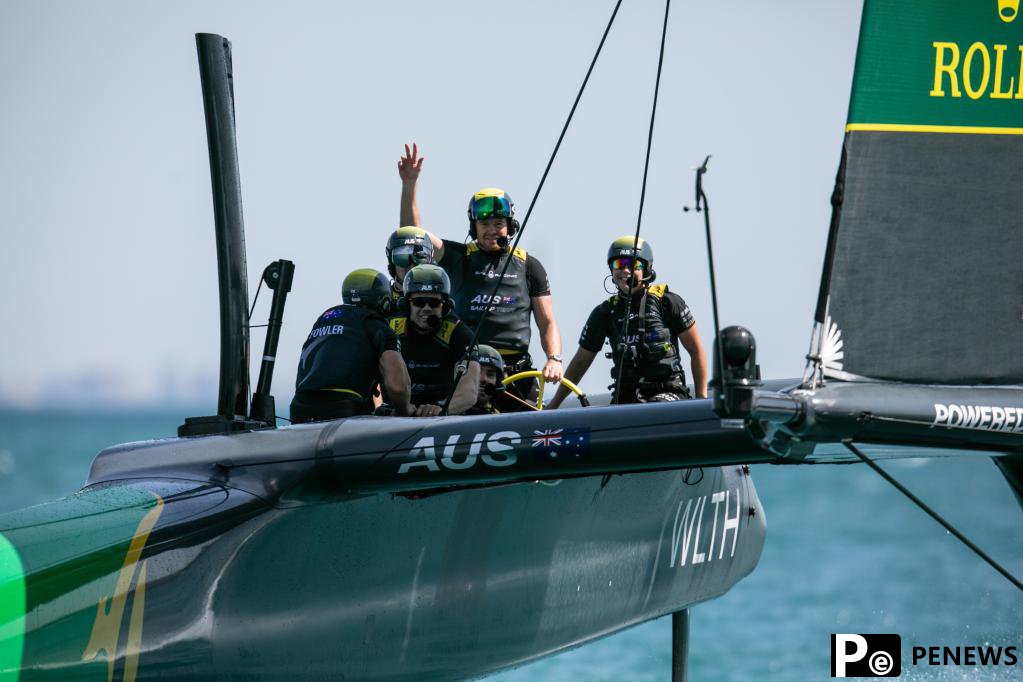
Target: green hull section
82, 575
12, 611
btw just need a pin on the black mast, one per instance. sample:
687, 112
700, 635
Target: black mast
215, 71
218, 101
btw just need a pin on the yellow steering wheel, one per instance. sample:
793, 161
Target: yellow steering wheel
537, 374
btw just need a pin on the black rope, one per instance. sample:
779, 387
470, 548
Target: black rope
256, 298
252, 309
869, 416
688, 475
639, 219
460, 372
918, 502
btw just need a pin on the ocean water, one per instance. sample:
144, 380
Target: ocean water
845, 552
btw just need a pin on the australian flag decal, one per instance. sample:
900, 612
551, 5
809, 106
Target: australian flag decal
561, 444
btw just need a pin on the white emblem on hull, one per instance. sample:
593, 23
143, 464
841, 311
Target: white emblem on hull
500, 452
688, 526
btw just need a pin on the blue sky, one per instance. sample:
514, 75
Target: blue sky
105, 205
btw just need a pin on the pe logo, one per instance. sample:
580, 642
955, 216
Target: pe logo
866, 655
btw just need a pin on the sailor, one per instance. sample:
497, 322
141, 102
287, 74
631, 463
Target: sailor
646, 349
349, 350
474, 269
433, 343
491, 376
406, 247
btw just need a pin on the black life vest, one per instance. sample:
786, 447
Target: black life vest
476, 411
651, 348
430, 359
507, 326
338, 354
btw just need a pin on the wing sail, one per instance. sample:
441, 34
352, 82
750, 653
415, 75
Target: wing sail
922, 281
920, 311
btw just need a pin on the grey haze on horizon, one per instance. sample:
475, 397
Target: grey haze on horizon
109, 287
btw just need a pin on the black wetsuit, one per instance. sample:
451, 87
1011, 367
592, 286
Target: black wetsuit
339, 366
473, 274
431, 358
653, 368
476, 411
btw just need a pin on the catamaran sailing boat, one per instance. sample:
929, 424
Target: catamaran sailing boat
379, 548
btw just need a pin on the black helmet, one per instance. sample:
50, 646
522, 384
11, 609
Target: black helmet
623, 248
488, 355
368, 288
427, 279
408, 247
491, 202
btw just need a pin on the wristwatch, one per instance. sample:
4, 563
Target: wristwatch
556, 358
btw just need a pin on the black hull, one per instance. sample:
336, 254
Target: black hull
446, 586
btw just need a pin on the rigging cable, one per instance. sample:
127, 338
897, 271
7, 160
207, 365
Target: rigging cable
463, 366
642, 197
249, 399
870, 416
918, 502
255, 298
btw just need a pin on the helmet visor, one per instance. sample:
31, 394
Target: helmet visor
409, 255
490, 207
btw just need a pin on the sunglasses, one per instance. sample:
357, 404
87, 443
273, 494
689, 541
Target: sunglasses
633, 264
426, 302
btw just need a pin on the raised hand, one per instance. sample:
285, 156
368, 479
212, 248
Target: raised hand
410, 164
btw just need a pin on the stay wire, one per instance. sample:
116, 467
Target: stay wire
642, 198
463, 366
869, 416
255, 298
253, 309
934, 515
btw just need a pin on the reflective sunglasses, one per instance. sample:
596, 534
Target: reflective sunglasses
627, 264
426, 302
490, 207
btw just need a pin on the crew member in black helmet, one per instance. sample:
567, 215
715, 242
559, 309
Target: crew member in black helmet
433, 342
406, 247
491, 376
658, 321
349, 350
474, 269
